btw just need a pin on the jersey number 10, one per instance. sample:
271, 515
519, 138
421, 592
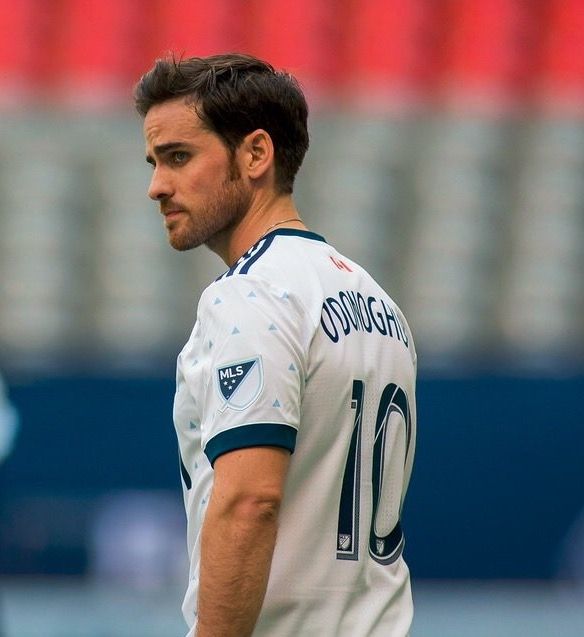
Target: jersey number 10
393, 423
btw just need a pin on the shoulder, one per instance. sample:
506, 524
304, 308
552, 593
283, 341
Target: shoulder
277, 252
279, 269
240, 292
250, 258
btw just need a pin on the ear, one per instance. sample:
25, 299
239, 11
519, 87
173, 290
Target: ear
258, 154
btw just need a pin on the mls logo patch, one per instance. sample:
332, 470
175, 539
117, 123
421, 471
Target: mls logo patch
240, 384
344, 542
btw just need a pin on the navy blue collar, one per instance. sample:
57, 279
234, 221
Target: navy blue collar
254, 253
293, 232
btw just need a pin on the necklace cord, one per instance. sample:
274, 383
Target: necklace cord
279, 223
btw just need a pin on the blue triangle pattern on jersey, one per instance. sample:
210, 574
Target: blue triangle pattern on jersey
235, 330
292, 368
272, 328
217, 301
276, 403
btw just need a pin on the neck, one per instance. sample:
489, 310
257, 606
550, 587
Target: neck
278, 212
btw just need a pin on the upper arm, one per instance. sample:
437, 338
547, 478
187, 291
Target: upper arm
254, 476
253, 354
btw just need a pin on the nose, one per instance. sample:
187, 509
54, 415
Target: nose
160, 186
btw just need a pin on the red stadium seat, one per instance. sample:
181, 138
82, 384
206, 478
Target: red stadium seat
298, 36
19, 25
96, 43
562, 80
389, 48
489, 50
195, 27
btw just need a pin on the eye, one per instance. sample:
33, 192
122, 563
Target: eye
179, 157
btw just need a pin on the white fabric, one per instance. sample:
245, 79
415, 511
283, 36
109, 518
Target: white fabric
291, 327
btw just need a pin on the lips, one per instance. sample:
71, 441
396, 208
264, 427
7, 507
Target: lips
169, 215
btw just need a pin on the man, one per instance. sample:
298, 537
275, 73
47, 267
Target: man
294, 406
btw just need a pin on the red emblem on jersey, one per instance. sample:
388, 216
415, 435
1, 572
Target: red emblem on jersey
340, 264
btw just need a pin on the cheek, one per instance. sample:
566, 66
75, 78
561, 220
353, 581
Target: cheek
205, 179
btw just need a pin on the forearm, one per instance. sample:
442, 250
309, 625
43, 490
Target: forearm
236, 553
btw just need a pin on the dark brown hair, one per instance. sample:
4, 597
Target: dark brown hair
234, 94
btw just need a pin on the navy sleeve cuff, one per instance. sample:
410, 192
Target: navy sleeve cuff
253, 435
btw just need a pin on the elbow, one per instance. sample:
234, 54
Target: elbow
253, 509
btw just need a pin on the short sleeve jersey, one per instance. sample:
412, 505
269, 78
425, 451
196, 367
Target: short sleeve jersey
296, 346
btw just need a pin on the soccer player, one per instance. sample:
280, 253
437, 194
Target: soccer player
294, 406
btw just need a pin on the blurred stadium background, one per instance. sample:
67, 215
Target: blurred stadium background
447, 156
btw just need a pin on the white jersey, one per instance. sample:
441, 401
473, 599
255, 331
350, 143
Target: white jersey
298, 347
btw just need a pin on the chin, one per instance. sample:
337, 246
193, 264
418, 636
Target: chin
182, 243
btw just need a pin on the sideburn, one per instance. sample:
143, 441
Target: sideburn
234, 172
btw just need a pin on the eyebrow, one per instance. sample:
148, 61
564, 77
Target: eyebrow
161, 149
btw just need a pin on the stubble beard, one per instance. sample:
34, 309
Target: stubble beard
221, 214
